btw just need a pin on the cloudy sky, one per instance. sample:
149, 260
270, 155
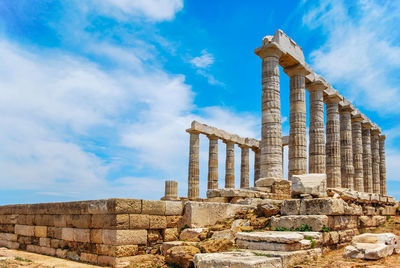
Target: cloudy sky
96, 95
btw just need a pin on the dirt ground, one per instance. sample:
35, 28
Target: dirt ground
335, 257
15, 258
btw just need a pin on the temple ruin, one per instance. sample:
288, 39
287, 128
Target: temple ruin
333, 193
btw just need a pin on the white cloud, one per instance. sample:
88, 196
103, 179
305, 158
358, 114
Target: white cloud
361, 52
205, 60
156, 10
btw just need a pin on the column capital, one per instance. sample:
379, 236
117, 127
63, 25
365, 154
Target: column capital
243, 146
346, 106
382, 137
228, 142
269, 50
366, 123
332, 96
255, 149
375, 130
212, 137
356, 116
297, 69
192, 131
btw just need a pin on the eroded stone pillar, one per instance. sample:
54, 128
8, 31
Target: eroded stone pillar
213, 163
271, 132
332, 98
356, 120
244, 167
193, 177
346, 144
230, 165
376, 180
316, 149
257, 156
171, 190
367, 155
382, 166
297, 121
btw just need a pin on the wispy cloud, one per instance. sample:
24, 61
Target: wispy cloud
361, 52
206, 59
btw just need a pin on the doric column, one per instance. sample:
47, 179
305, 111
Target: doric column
332, 98
382, 166
316, 149
356, 120
230, 165
271, 131
367, 155
193, 177
171, 190
244, 167
213, 163
297, 121
376, 180
257, 156
346, 144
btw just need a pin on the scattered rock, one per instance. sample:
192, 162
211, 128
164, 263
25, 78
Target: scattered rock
312, 184
147, 260
194, 234
268, 210
181, 255
212, 246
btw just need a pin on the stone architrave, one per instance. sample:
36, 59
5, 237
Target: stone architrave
297, 121
193, 176
346, 144
244, 167
230, 165
171, 190
332, 99
367, 154
271, 130
382, 166
356, 120
257, 155
375, 131
316, 152
213, 163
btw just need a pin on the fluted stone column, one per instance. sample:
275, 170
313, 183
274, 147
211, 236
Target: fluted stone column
316, 149
376, 180
297, 121
244, 167
193, 177
171, 190
356, 120
382, 166
271, 132
230, 165
213, 163
346, 145
257, 156
333, 173
367, 155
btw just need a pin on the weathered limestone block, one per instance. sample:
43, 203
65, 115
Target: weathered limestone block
316, 222
124, 237
89, 257
291, 258
45, 220
193, 234
213, 246
158, 222
322, 206
369, 211
302, 244
139, 221
290, 207
271, 237
371, 221
124, 206
345, 194
268, 210
346, 235
153, 207
25, 230
27, 219
181, 255
172, 221
8, 236
281, 187
44, 242
146, 260
201, 214
109, 221
9, 244
170, 234
353, 209
389, 211
227, 234
313, 184
235, 259
154, 236
342, 222
173, 208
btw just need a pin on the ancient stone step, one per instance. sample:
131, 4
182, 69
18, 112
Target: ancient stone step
271, 237
236, 259
302, 244
316, 222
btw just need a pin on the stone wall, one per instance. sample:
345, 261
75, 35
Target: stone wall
103, 232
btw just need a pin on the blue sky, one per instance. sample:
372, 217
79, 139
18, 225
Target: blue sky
96, 95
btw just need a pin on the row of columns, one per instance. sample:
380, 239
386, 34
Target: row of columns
193, 177
353, 154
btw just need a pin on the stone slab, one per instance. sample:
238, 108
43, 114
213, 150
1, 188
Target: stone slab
322, 206
271, 237
316, 222
313, 184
